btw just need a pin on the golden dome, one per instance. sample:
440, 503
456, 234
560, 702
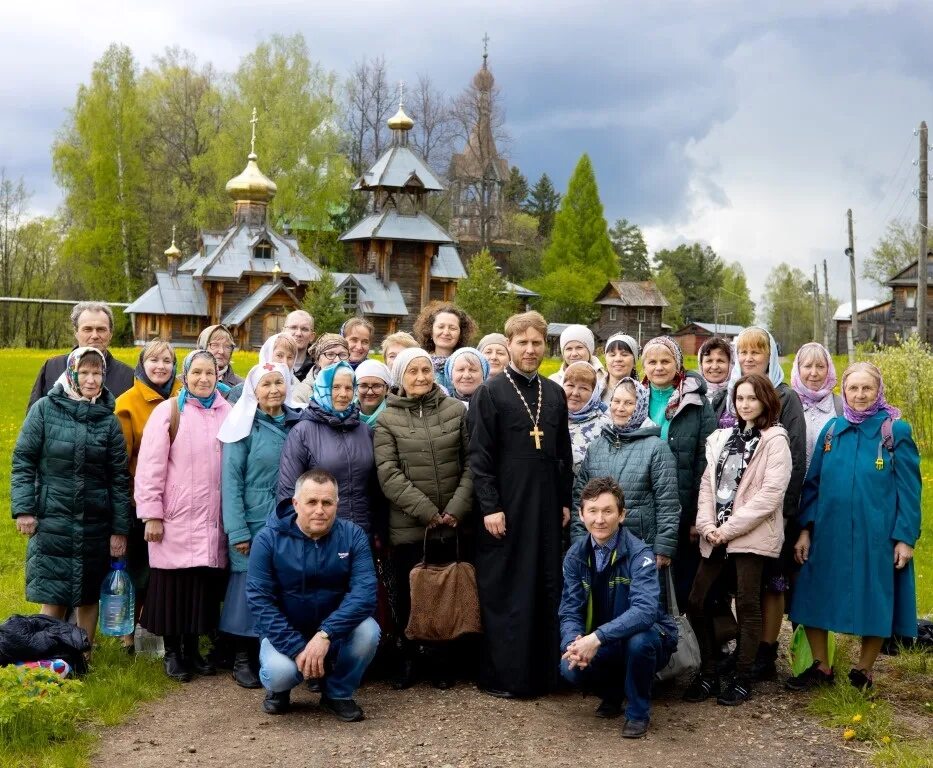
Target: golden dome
172, 251
400, 121
252, 184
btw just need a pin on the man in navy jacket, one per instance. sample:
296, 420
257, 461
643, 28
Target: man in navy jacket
311, 586
614, 634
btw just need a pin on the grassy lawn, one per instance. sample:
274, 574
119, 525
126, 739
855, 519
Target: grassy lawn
116, 683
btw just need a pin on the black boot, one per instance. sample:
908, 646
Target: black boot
223, 651
173, 662
765, 665
193, 658
277, 703
243, 672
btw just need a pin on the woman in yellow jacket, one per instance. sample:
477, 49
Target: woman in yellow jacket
153, 382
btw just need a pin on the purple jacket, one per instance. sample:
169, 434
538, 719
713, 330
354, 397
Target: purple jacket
179, 483
343, 448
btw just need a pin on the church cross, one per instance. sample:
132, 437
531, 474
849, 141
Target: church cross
173, 234
401, 93
252, 141
485, 45
537, 434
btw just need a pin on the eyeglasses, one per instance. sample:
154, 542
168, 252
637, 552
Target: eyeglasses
373, 389
335, 356
302, 328
216, 346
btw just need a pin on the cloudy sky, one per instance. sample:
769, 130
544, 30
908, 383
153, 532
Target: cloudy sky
749, 126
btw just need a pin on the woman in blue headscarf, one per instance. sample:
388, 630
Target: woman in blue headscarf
330, 435
465, 369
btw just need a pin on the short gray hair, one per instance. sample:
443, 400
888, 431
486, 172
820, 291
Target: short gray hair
318, 476
90, 306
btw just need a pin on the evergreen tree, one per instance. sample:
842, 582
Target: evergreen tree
631, 250
483, 294
579, 260
324, 304
516, 189
542, 203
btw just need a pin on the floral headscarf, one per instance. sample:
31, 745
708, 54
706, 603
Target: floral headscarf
880, 404
640, 414
713, 388
678, 383
807, 396
323, 391
69, 377
185, 393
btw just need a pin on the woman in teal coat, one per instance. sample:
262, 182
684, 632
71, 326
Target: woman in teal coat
253, 435
860, 513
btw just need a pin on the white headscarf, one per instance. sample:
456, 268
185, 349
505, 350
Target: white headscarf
402, 362
239, 422
267, 351
374, 368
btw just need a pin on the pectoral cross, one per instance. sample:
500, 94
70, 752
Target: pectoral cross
537, 434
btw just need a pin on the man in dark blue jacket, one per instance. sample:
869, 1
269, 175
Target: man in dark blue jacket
311, 586
614, 634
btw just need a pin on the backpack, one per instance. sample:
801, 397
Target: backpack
886, 442
173, 420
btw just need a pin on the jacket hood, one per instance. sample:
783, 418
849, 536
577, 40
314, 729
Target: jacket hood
103, 406
314, 412
649, 430
432, 398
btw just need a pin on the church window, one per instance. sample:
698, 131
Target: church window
910, 298
152, 324
612, 314
190, 326
642, 316
263, 250
350, 297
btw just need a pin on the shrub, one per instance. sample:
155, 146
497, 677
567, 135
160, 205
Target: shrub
908, 380
37, 707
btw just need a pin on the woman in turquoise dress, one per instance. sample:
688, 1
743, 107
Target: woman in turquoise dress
860, 514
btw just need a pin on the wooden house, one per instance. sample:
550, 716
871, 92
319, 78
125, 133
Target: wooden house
693, 335
629, 307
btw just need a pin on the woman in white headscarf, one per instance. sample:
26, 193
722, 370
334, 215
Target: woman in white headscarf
253, 435
278, 348
373, 381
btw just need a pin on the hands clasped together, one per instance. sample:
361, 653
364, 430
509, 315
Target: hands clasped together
581, 651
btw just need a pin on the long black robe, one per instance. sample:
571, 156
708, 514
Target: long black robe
519, 575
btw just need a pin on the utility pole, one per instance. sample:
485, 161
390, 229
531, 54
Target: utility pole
922, 257
853, 319
828, 320
816, 304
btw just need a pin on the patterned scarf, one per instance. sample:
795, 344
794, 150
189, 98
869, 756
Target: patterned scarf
807, 396
678, 383
185, 393
641, 408
741, 445
880, 404
323, 392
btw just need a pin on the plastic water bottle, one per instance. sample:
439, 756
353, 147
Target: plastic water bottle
117, 602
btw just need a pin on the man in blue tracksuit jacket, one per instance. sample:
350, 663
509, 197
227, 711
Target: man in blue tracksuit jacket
311, 587
614, 633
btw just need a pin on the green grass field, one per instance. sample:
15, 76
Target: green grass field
116, 683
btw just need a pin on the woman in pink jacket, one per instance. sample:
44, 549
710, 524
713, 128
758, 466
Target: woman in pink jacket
177, 494
740, 520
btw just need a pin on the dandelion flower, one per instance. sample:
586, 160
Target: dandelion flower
848, 734
857, 718
885, 739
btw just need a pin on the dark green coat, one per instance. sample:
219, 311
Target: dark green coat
421, 459
69, 472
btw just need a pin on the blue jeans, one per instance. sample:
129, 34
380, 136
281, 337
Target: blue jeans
344, 665
627, 665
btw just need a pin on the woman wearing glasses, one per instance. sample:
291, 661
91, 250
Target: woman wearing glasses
330, 348
372, 385
217, 340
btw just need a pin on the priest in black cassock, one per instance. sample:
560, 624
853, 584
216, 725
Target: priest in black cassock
522, 469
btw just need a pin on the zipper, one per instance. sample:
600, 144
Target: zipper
437, 479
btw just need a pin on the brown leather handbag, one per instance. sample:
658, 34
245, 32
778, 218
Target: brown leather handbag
444, 600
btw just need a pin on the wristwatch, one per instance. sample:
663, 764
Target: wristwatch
323, 634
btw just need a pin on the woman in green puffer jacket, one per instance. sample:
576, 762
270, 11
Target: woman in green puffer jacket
420, 446
70, 490
631, 452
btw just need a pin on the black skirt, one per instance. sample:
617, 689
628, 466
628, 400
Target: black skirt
183, 601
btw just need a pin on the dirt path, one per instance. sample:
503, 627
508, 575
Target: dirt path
212, 722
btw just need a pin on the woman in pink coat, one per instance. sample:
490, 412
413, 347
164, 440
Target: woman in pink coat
177, 494
740, 520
